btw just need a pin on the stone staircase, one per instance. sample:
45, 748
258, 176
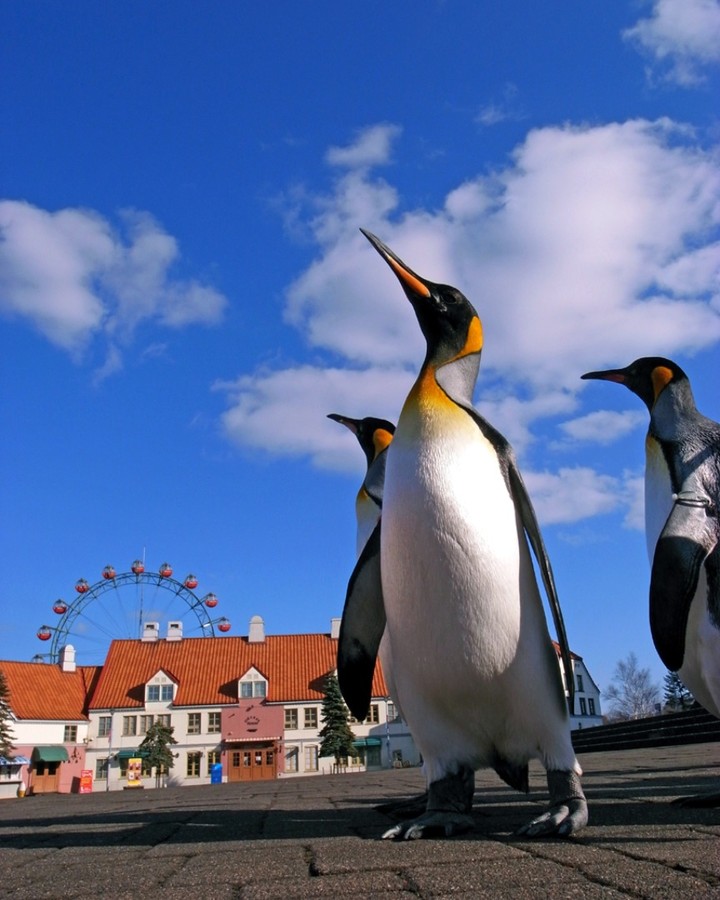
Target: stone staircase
693, 726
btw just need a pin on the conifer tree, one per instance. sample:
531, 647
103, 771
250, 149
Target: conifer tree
6, 733
336, 735
156, 746
676, 695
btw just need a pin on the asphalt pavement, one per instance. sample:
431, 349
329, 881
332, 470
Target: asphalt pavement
320, 837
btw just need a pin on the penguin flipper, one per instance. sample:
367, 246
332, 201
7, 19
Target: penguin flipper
361, 629
532, 530
684, 544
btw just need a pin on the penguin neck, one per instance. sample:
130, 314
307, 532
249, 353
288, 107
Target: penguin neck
675, 404
458, 377
375, 478
442, 386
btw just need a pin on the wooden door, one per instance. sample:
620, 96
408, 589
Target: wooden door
45, 777
252, 763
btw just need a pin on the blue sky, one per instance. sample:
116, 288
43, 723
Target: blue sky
185, 295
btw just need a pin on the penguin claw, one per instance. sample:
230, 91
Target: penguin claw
432, 824
561, 820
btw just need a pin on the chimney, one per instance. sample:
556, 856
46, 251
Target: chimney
256, 634
174, 632
67, 658
151, 631
335, 628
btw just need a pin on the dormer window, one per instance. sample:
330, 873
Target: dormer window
252, 685
159, 693
160, 688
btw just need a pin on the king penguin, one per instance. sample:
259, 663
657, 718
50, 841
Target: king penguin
374, 436
449, 571
682, 528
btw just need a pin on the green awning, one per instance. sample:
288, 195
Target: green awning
131, 754
54, 753
367, 742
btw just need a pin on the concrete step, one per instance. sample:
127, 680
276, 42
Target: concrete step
691, 726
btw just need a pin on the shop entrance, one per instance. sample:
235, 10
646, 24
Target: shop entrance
45, 777
252, 762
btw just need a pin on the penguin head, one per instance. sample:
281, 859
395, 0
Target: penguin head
647, 377
447, 319
373, 434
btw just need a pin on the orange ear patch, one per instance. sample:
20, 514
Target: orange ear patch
661, 377
381, 439
474, 342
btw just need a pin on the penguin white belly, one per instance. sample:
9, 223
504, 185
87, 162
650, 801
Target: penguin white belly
658, 494
474, 668
367, 513
700, 671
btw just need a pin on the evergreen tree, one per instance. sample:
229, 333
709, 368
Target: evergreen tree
6, 734
336, 736
676, 696
156, 747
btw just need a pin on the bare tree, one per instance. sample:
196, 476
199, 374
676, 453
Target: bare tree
632, 694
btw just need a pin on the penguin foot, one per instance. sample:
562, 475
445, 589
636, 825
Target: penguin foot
449, 801
409, 808
568, 811
699, 801
431, 824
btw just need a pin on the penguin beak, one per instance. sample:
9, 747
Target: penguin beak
414, 286
352, 424
619, 376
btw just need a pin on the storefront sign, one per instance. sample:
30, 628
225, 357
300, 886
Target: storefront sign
86, 781
134, 772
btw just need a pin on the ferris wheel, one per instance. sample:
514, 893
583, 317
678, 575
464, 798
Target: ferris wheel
119, 606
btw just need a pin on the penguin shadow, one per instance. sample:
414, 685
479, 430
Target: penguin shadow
626, 803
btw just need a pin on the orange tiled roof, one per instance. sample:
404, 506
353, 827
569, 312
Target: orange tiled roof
207, 669
573, 655
42, 691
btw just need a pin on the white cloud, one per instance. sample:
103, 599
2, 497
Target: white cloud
113, 364
285, 412
634, 486
572, 255
682, 36
603, 426
74, 276
372, 147
575, 493
504, 110
593, 246
46, 266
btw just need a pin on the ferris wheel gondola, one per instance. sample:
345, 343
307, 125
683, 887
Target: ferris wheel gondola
118, 605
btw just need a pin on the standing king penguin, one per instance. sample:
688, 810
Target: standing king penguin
682, 528
449, 572
374, 436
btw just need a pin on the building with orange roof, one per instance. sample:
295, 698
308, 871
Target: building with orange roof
249, 705
50, 723
241, 709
